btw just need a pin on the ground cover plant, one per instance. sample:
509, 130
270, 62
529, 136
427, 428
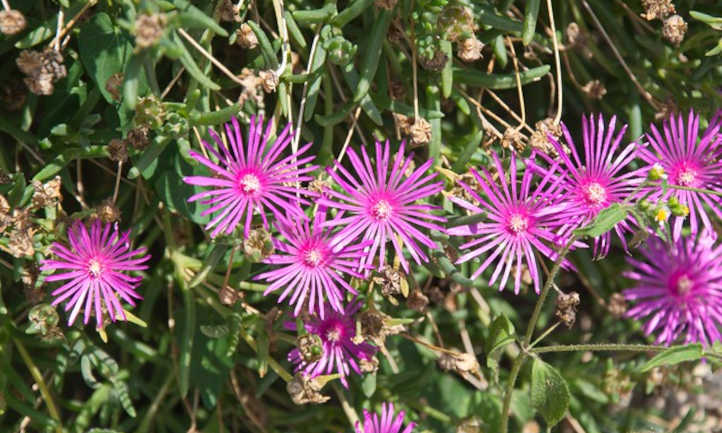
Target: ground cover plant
377, 216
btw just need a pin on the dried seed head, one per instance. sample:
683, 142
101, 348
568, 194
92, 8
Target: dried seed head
318, 185
657, 9
117, 150
567, 307
228, 295
469, 50
150, 112
42, 69
229, 12
390, 280
30, 62
375, 327
47, 194
52, 64
420, 131
107, 212
310, 346
674, 29
435, 63
403, 123
13, 94
251, 87
513, 139
148, 29
457, 21
370, 365
21, 243
258, 245
594, 89
539, 139
617, 305
246, 37
5, 218
138, 137
12, 22
112, 85
303, 390
417, 301
269, 80
460, 362
385, 4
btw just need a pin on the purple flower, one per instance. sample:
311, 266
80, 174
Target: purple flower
336, 331
386, 423
688, 161
599, 179
95, 265
381, 204
311, 267
249, 178
679, 289
517, 223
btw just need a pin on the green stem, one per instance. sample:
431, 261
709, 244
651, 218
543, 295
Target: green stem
44, 391
346, 406
153, 409
689, 188
544, 334
604, 347
515, 368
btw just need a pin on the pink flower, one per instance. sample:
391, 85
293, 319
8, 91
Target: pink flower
386, 423
336, 331
249, 178
678, 289
95, 264
310, 266
518, 221
688, 161
382, 204
598, 180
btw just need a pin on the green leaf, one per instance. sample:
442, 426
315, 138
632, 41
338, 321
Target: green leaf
501, 333
103, 51
605, 221
674, 355
549, 392
498, 81
531, 12
368, 385
374, 47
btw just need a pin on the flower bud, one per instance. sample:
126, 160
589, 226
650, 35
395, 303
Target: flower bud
679, 210
656, 172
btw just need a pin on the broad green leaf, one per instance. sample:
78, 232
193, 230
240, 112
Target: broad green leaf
368, 385
549, 392
501, 333
674, 355
605, 221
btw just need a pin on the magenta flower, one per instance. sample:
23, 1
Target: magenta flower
95, 265
381, 204
336, 331
599, 179
249, 178
385, 424
688, 161
679, 289
518, 222
311, 267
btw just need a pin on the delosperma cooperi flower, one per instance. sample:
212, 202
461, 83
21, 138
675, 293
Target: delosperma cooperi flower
688, 161
95, 263
386, 423
339, 352
312, 270
382, 204
251, 178
518, 221
593, 183
678, 289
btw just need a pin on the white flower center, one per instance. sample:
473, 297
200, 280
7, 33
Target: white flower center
596, 193
684, 285
686, 177
312, 257
94, 267
518, 223
333, 335
250, 183
382, 210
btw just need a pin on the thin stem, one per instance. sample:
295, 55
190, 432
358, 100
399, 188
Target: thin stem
210, 57
506, 409
349, 134
557, 64
117, 182
346, 406
69, 25
38, 377
6, 5
544, 334
230, 265
58, 31
519, 90
689, 188
304, 92
155, 405
605, 347
172, 83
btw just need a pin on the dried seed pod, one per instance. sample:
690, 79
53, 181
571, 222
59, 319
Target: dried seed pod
47, 194
269, 80
246, 37
148, 29
138, 137
657, 9
227, 295
303, 390
567, 304
674, 29
417, 301
594, 89
257, 246
12, 22
420, 131
117, 150
469, 50
107, 211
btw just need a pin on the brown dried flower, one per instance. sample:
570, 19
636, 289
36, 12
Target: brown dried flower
594, 89
318, 185
567, 304
269, 80
457, 20
42, 69
5, 218
138, 137
469, 50
229, 12
257, 246
12, 22
246, 37
148, 29
617, 305
47, 194
107, 212
303, 390
420, 131
310, 347
417, 301
375, 327
21, 243
539, 138
390, 280
112, 85
435, 63
117, 150
674, 29
227, 295
370, 365
251, 87
657, 9
513, 139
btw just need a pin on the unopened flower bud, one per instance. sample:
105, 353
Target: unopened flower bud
679, 210
656, 172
